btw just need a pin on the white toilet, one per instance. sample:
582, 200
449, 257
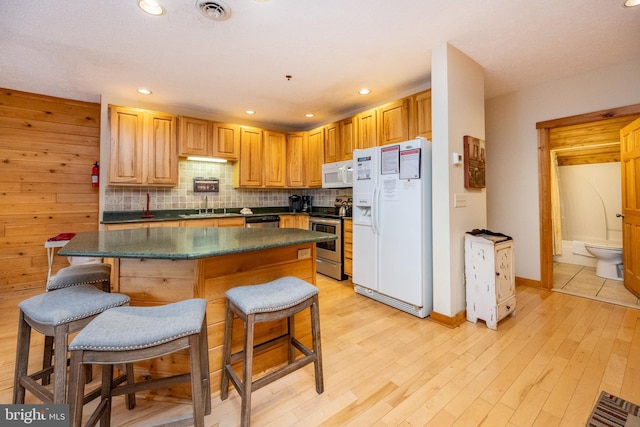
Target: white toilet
609, 260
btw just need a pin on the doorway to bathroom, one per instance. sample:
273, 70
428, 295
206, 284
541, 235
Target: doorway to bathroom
581, 154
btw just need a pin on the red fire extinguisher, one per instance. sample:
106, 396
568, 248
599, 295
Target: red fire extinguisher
95, 175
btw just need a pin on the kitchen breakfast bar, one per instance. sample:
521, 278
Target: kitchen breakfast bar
161, 265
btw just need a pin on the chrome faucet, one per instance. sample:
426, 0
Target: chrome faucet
206, 205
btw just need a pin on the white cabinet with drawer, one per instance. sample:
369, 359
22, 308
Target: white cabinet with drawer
489, 276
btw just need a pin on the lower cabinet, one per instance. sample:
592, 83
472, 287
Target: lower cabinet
294, 221
490, 279
347, 231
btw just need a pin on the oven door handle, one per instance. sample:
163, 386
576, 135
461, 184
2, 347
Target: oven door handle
324, 221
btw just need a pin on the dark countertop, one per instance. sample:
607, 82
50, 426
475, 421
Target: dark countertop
116, 217
185, 242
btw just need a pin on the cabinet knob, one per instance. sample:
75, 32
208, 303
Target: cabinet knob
497, 273
508, 307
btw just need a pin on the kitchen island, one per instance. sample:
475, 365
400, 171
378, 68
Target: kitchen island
162, 265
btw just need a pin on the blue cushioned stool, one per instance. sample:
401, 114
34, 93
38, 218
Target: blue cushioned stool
56, 314
98, 275
279, 299
131, 334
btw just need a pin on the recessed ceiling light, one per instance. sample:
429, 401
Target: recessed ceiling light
631, 3
144, 91
152, 7
364, 91
249, 111
309, 115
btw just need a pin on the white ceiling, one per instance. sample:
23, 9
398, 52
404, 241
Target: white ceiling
332, 48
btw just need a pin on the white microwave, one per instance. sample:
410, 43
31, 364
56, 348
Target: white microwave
337, 175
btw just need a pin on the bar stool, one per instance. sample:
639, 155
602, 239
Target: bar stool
131, 334
279, 299
55, 314
98, 275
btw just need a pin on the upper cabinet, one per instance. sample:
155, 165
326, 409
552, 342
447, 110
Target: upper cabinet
143, 147
393, 122
296, 144
420, 124
314, 157
193, 137
275, 160
332, 143
347, 138
225, 141
367, 129
248, 171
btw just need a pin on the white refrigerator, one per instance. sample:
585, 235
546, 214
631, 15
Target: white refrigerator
392, 244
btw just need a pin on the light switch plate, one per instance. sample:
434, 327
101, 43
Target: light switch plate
459, 200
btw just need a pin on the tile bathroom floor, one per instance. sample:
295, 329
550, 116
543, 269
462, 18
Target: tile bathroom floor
582, 281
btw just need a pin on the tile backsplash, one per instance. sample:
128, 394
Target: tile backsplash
183, 197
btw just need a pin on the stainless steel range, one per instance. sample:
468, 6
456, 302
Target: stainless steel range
330, 255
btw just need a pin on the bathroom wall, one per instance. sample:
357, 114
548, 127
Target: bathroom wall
590, 198
183, 197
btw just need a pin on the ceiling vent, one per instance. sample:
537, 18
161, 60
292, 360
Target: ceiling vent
214, 10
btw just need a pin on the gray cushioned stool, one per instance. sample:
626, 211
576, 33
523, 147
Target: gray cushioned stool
56, 314
98, 275
130, 334
279, 299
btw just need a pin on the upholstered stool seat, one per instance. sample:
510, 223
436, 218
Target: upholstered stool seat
279, 299
98, 275
56, 314
130, 334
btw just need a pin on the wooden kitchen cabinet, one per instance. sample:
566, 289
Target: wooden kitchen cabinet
193, 139
367, 129
143, 147
275, 159
393, 122
296, 143
347, 232
420, 123
347, 138
332, 143
300, 221
314, 157
249, 169
225, 141
490, 278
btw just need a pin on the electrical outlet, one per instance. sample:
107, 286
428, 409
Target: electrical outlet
304, 253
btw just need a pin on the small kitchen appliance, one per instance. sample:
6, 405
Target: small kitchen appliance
306, 203
295, 203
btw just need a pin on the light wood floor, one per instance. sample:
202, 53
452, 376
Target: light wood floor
543, 367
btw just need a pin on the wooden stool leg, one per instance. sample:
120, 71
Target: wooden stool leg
317, 349
204, 366
22, 358
130, 398
47, 358
197, 392
247, 367
76, 388
226, 353
60, 343
291, 331
106, 399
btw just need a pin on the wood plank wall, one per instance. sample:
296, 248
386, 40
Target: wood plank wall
47, 149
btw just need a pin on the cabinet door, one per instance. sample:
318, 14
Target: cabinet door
331, 143
393, 122
347, 138
348, 247
302, 222
126, 142
206, 222
287, 221
193, 137
420, 124
226, 141
249, 168
296, 143
237, 222
367, 130
162, 149
314, 157
275, 159
505, 280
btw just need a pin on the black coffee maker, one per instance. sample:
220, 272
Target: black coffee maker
295, 203
306, 203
